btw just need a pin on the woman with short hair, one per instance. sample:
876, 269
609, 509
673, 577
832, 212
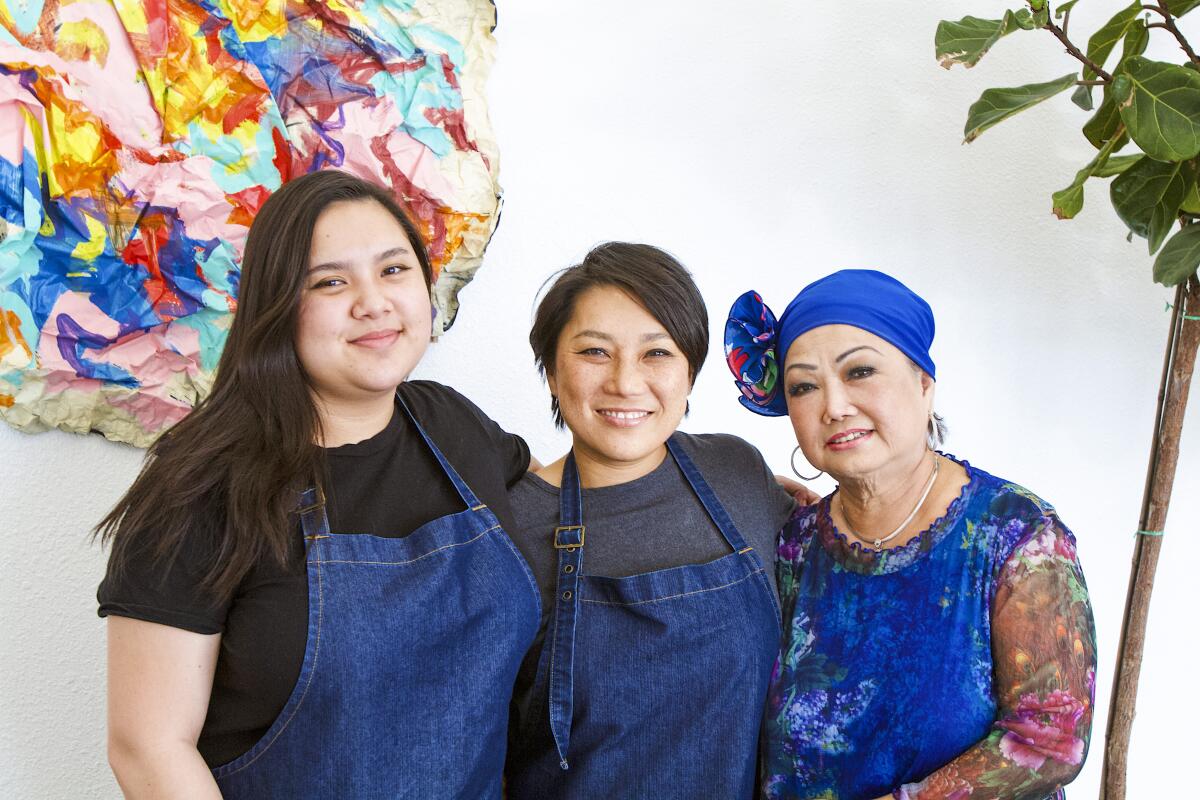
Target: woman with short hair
652, 548
311, 592
937, 635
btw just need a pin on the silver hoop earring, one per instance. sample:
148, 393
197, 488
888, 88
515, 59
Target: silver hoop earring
798, 475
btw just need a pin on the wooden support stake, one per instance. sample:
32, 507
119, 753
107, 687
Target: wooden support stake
1160, 477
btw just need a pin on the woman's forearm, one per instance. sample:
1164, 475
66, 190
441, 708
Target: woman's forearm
159, 769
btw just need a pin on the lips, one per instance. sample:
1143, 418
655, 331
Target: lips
848, 439
623, 418
376, 339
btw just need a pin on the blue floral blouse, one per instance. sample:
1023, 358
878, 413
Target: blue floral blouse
961, 664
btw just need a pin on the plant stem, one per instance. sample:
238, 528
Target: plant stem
1178, 365
1091, 83
1073, 50
1169, 24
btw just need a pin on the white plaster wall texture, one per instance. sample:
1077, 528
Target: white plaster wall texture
765, 145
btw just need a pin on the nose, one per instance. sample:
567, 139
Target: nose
370, 301
625, 378
838, 405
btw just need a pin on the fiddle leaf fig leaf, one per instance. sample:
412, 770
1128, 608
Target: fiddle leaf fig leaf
1116, 165
1160, 106
1082, 97
968, 40
1104, 40
1191, 203
1068, 202
1180, 7
1179, 257
1104, 123
997, 105
1065, 7
1147, 196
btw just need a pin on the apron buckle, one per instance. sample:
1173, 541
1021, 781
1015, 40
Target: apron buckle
568, 537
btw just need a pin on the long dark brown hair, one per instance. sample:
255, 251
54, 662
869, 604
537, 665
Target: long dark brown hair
242, 453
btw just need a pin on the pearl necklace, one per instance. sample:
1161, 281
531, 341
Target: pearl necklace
878, 543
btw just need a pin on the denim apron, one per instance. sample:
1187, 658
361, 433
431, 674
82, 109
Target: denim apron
413, 647
656, 682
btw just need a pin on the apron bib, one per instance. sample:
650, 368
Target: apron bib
657, 681
413, 647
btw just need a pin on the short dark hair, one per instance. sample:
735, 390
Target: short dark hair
651, 277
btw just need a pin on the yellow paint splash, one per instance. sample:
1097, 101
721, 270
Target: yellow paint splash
256, 22
94, 246
82, 41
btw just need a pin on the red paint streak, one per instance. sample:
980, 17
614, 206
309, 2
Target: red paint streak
154, 233
246, 204
423, 208
157, 25
453, 122
283, 156
212, 38
241, 111
448, 73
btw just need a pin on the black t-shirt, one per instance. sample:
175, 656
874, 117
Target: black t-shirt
387, 485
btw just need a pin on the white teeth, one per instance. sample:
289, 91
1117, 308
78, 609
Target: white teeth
850, 438
626, 414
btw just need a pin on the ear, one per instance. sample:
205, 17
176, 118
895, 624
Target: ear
552, 383
928, 386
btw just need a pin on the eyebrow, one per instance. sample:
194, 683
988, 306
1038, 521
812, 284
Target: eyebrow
837, 360
646, 337
328, 266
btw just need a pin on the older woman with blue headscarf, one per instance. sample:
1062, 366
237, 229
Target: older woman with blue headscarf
938, 640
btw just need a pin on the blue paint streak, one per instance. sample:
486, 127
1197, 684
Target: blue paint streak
73, 339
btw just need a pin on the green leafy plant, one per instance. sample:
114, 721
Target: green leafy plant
1145, 131
1153, 104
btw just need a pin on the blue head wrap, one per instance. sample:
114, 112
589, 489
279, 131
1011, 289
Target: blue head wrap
756, 344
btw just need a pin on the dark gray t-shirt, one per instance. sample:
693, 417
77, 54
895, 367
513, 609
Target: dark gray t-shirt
657, 522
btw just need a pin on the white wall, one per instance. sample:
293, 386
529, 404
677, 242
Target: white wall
764, 144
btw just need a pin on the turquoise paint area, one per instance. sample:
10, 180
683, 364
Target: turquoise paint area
219, 267
25, 14
442, 42
213, 329
234, 169
11, 301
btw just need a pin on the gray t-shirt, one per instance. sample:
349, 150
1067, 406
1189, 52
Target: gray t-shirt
657, 522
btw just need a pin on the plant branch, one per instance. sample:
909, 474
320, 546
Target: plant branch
1073, 50
1067, 19
1091, 83
1168, 24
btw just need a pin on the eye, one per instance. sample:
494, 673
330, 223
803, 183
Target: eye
396, 269
798, 389
598, 352
861, 372
659, 352
328, 283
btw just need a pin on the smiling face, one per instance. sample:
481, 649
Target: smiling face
622, 385
365, 316
857, 405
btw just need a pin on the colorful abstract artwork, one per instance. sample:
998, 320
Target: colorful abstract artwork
139, 137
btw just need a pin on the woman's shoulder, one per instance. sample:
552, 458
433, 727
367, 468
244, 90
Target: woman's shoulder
1009, 514
721, 451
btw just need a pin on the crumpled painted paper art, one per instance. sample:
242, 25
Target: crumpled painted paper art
139, 137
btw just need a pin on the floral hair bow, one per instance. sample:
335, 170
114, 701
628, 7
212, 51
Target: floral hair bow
750, 334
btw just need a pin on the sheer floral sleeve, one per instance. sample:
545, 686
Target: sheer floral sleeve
1044, 661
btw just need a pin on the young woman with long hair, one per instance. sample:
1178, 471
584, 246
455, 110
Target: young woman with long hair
310, 590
